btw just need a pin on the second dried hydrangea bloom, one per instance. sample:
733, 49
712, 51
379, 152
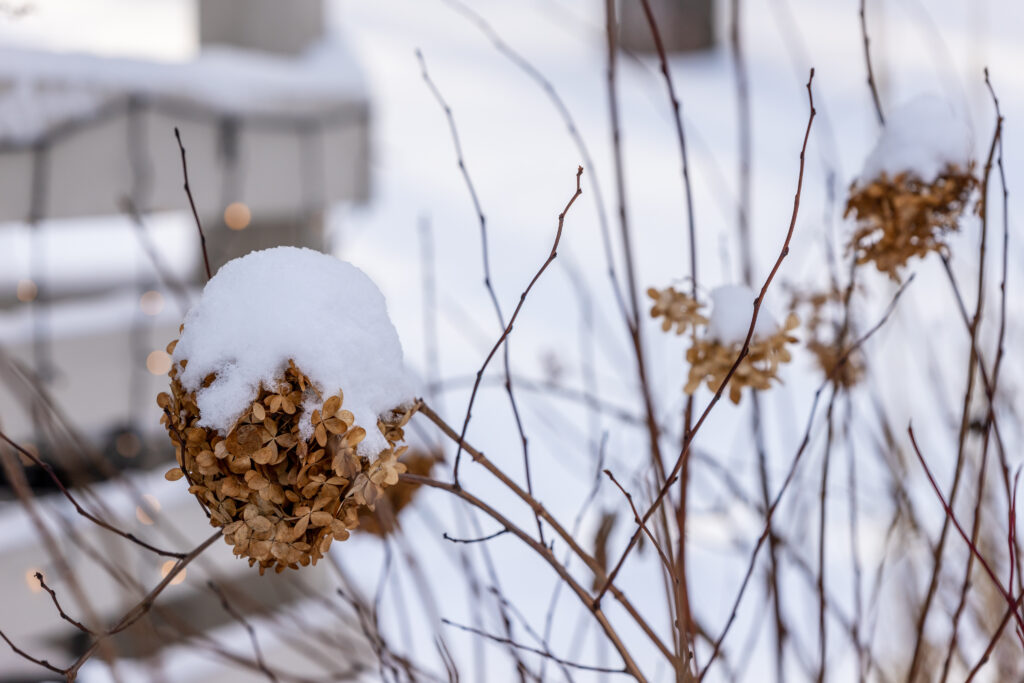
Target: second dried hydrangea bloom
914, 188
718, 339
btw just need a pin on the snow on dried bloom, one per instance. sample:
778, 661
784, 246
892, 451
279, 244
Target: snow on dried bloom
268, 397
914, 187
732, 307
677, 308
271, 306
713, 354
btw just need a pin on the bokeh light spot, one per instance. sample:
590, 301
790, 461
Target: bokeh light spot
237, 216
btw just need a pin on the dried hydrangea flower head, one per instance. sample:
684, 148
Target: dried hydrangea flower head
824, 324
676, 308
281, 499
289, 472
713, 354
914, 187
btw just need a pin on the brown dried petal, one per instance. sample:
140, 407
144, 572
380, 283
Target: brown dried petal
255, 480
261, 526
332, 405
339, 530
244, 440
321, 518
265, 455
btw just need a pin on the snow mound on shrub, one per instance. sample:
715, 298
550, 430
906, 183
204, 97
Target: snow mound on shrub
324, 314
922, 136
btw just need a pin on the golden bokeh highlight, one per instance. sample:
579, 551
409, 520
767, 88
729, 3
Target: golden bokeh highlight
166, 569
27, 291
152, 302
158, 362
32, 581
150, 507
237, 216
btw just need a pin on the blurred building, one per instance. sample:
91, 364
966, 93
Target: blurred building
274, 116
683, 25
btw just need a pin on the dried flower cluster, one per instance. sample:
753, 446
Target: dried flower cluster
823, 327
383, 519
711, 360
904, 216
677, 308
281, 499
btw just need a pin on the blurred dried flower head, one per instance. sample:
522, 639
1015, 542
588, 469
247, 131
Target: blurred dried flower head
902, 216
718, 339
824, 323
280, 499
710, 361
676, 308
383, 519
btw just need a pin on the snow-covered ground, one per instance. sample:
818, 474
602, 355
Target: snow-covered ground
522, 162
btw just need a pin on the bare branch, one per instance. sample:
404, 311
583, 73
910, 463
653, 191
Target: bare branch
56, 603
78, 507
191, 203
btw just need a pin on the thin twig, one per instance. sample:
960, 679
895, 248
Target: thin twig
482, 539
569, 539
237, 616
164, 273
143, 606
542, 653
545, 553
1000, 345
635, 331
744, 182
515, 314
60, 610
1010, 600
191, 203
973, 362
485, 254
840, 341
867, 59
679, 573
633, 317
563, 110
980, 486
21, 653
636, 517
81, 510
